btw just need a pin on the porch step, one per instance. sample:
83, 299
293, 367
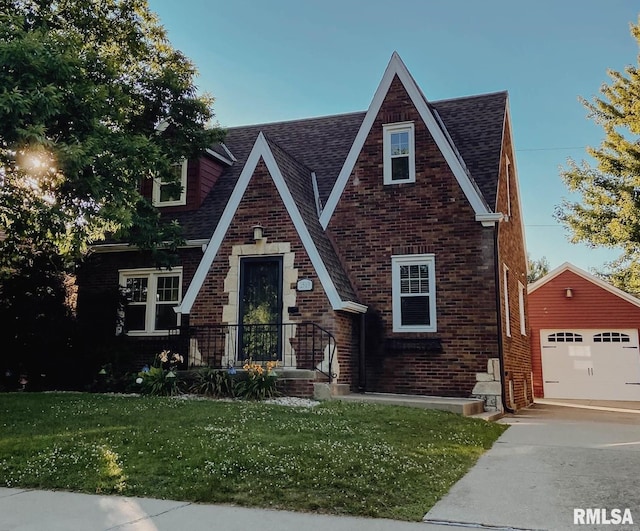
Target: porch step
462, 406
296, 374
327, 391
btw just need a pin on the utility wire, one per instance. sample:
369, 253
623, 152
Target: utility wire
552, 149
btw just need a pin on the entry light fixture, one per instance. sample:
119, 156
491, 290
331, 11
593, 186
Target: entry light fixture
568, 293
258, 232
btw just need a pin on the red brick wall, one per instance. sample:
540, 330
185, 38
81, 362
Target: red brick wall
590, 307
372, 222
517, 348
262, 204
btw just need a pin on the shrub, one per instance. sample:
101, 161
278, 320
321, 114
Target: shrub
213, 382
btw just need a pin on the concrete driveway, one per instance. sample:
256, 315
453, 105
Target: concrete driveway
552, 460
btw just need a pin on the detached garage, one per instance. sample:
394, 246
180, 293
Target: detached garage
584, 337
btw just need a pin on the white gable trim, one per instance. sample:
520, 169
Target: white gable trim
587, 276
397, 67
261, 150
216, 155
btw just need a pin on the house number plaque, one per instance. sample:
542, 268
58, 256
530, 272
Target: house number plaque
305, 284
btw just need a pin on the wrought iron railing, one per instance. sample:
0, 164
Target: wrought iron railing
293, 345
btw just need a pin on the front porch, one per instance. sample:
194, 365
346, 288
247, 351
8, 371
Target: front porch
296, 347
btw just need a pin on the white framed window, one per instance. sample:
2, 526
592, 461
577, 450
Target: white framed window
414, 293
399, 153
523, 319
507, 313
151, 296
164, 190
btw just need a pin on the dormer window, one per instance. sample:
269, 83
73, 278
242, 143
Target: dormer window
164, 189
399, 153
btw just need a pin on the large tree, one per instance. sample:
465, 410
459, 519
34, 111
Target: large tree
93, 99
608, 212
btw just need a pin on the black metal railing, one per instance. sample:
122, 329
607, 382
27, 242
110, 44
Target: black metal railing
293, 345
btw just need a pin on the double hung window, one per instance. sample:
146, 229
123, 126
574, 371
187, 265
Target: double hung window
150, 298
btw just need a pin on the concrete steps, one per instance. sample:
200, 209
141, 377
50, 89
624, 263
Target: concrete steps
463, 406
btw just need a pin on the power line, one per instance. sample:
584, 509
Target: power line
552, 149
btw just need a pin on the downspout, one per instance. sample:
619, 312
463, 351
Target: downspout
362, 368
498, 281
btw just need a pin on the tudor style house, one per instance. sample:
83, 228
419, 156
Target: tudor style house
382, 249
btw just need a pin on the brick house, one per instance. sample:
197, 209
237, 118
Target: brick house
383, 249
584, 337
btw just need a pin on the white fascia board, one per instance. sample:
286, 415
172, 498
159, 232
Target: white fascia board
587, 276
354, 307
123, 247
221, 229
299, 224
228, 152
218, 156
490, 219
260, 150
397, 67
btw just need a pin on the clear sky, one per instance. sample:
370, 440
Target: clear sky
273, 60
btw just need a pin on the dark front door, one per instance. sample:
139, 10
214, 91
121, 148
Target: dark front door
260, 337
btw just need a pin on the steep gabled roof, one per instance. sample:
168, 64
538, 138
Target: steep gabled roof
396, 68
298, 180
468, 132
588, 277
297, 195
320, 144
476, 127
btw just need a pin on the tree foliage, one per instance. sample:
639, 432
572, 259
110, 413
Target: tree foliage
608, 213
93, 99
537, 268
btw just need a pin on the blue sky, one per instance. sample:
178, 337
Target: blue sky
277, 60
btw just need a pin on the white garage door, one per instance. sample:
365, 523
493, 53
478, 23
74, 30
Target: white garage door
591, 364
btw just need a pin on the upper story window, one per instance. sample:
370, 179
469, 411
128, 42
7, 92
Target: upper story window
165, 192
414, 293
151, 296
399, 153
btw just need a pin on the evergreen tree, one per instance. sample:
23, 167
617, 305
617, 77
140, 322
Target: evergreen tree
608, 213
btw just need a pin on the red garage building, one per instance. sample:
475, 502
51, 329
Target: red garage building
584, 337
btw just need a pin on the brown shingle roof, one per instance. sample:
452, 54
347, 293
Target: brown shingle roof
474, 123
298, 180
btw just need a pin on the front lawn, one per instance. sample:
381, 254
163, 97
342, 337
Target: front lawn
356, 459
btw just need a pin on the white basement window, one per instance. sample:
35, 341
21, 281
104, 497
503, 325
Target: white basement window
164, 189
414, 293
399, 153
151, 296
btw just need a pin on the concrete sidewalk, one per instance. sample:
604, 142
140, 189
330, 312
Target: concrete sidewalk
33, 510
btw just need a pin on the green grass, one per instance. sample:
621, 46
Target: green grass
356, 459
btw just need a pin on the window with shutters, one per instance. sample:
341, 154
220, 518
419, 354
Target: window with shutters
414, 293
